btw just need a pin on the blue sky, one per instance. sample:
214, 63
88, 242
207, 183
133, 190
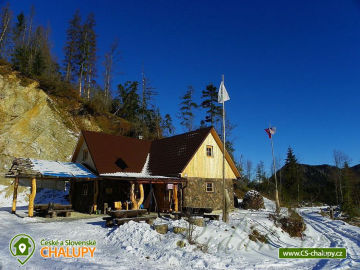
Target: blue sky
295, 64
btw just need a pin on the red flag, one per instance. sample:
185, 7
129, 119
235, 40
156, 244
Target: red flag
270, 131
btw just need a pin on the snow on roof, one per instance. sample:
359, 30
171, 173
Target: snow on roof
143, 174
61, 169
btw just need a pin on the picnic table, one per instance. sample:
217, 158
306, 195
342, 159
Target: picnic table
119, 217
52, 210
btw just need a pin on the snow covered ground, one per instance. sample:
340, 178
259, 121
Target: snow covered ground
138, 246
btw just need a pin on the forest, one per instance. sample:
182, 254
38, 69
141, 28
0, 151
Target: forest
27, 48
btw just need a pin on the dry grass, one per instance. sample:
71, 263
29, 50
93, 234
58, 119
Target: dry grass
293, 224
256, 236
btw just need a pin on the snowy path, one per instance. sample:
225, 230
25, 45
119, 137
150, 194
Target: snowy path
339, 234
138, 246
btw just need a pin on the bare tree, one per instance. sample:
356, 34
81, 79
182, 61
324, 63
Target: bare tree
4, 27
248, 169
340, 158
111, 58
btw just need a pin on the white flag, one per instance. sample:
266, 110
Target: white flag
223, 94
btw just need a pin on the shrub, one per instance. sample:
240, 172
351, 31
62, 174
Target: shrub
256, 236
293, 224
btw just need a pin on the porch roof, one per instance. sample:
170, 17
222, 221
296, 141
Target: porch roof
48, 169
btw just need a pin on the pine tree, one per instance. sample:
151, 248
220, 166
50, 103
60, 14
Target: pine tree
187, 107
129, 101
147, 108
292, 183
167, 126
210, 103
71, 50
90, 54
348, 204
260, 176
20, 55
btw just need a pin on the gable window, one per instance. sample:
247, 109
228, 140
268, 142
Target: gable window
209, 187
85, 155
209, 151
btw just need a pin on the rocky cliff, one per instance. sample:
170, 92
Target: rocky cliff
32, 124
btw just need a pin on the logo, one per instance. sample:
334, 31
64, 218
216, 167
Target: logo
22, 246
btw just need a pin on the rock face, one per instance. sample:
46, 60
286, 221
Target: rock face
252, 200
194, 195
31, 125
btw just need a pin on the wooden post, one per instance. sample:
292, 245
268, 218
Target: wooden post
16, 184
96, 194
32, 197
141, 200
136, 203
176, 202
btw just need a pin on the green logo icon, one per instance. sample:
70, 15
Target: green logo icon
22, 246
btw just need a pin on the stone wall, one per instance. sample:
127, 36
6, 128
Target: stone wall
195, 194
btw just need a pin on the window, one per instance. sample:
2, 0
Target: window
85, 155
209, 187
84, 190
209, 150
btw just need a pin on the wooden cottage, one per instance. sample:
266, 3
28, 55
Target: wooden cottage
162, 175
128, 173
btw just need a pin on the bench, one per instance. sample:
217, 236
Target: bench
111, 221
53, 210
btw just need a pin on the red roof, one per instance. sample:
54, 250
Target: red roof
113, 154
168, 156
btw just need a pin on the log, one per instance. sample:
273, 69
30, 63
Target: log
96, 194
32, 197
120, 221
136, 203
176, 202
44, 207
161, 228
16, 184
127, 213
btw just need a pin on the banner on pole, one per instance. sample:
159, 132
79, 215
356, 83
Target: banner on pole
223, 94
270, 131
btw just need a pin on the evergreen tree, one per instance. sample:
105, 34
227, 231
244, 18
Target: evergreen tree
292, 184
20, 55
167, 126
147, 110
260, 176
90, 54
210, 104
348, 204
187, 107
129, 101
71, 50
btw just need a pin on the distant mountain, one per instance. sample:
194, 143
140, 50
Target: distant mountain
318, 183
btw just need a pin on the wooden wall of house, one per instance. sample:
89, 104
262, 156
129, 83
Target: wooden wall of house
82, 196
84, 160
203, 166
111, 191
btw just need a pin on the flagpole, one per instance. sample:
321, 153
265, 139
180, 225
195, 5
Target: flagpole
277, 203
225, 217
